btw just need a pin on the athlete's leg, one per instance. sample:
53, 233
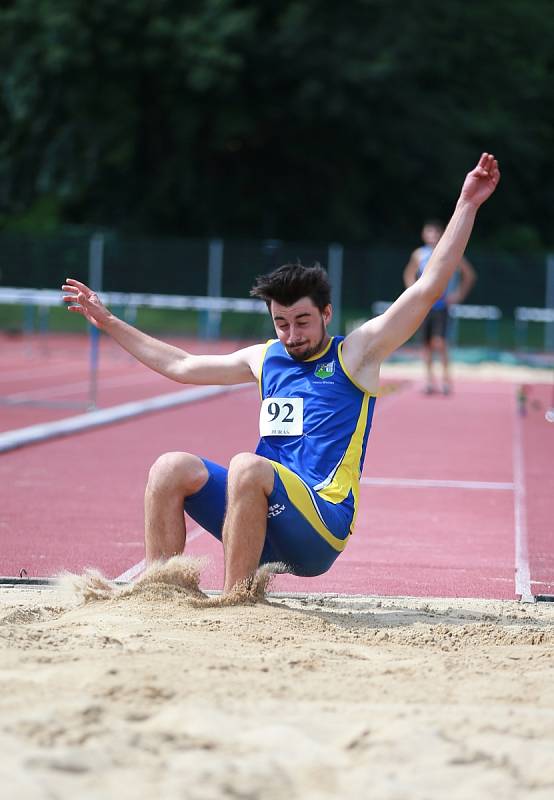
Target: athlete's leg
428, 358
441, 347
440, 343
249, 484
304, 531
428, 353
172, 478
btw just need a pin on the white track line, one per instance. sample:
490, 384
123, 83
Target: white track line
136, 569
132, 572
33, 372
429, 483
75, 388
522, 573
33, 434
115, 381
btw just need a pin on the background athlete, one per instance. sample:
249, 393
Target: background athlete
435, 325
295, 499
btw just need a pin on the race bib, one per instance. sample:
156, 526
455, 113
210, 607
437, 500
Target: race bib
282, 416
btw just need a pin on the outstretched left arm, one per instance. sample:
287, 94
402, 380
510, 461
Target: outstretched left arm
379, 337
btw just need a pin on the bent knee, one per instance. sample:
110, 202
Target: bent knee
252, 468
177, 471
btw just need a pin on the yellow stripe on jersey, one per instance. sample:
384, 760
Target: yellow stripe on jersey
301, 497
348, 375
269, 341
346, 477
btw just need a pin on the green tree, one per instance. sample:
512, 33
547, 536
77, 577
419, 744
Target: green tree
293, 119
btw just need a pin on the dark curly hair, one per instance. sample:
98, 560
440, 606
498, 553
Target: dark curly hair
291, 282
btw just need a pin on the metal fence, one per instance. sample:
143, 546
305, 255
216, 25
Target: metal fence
361, 275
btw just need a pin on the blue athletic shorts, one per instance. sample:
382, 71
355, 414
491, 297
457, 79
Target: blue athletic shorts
304, 531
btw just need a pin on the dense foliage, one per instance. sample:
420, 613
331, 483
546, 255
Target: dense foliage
295, 119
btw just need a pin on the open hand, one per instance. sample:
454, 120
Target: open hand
84, 301
481, 182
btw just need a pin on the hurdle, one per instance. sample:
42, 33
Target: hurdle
491, 315
523, 315
45, 299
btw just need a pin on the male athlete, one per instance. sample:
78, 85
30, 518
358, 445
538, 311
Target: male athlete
435, 324
295, 499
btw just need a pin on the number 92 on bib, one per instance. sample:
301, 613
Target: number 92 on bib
282, 416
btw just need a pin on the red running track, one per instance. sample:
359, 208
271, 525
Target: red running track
46, 377
457, 492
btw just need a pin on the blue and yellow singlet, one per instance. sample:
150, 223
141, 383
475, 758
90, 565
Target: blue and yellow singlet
329, 417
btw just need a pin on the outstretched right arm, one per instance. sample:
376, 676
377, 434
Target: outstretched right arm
241, 366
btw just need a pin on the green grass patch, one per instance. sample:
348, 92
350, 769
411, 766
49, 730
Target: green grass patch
500, 335
159, 322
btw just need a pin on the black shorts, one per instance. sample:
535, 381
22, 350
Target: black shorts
435, 324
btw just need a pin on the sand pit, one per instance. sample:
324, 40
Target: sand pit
484, 371
151, 694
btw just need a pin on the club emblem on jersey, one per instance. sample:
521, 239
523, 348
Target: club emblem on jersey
325, 370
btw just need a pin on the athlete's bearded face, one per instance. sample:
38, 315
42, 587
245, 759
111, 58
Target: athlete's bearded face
302, 327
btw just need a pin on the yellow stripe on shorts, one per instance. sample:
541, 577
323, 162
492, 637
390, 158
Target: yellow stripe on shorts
301, 497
